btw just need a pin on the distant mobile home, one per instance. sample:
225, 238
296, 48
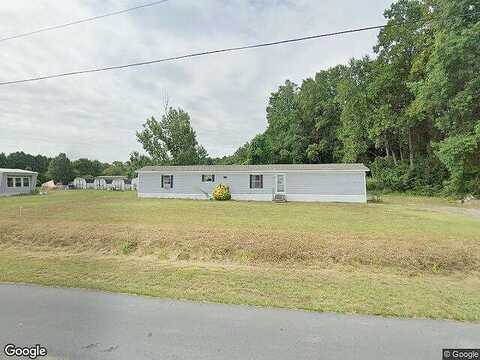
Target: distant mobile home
84, 183
110, 182
295, 182
16, 181
105, 183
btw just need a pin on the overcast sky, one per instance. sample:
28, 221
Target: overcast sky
96, 115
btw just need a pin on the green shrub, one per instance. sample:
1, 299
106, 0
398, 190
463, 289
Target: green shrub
222, 192
426, 178
375, 198
129, 246
372, 184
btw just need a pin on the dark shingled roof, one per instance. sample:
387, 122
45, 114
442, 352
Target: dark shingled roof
258, 168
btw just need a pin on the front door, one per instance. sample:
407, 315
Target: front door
280, 183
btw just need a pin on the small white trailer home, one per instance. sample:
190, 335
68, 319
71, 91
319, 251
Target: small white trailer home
16, 181
110, 182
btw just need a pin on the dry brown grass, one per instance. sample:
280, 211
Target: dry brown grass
245, 246
403, 257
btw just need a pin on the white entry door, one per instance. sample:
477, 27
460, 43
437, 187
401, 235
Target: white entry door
280, 184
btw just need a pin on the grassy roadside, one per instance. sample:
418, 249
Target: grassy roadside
345, 290
407, 256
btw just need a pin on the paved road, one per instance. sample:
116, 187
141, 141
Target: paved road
82, 324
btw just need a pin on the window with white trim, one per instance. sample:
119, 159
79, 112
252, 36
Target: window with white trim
208, 178
256, 181
18, 182
167, 181
10, 182
26, 182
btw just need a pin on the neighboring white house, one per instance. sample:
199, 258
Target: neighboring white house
80, 183
84, 182
110, 182
105, 183
16, 181
295, 182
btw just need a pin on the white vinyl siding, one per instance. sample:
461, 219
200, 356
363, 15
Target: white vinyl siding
298, 185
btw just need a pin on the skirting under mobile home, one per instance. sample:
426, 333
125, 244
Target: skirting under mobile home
296, 182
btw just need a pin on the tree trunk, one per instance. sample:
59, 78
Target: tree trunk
401, 152
394, 157
387, 149
410, 148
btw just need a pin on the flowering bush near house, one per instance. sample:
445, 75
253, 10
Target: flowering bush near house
222, 192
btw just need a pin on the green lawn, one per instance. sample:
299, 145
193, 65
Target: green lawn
406, 256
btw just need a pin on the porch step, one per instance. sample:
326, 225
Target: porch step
279, 198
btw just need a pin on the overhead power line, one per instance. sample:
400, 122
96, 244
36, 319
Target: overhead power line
55, 27
224, 50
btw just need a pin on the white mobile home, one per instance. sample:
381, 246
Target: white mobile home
295, 182
80, 183
110, 182
84, 182
16, 181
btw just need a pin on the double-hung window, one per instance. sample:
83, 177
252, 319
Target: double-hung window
26, 182
208, 178
18, 182
256, 181
167, 181
10, 182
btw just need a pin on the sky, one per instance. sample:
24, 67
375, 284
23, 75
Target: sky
97, 115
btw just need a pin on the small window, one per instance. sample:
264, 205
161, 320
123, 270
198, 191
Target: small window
167, 181
26, 182
10, 182
256, 181
208, 178
108, 181
18, 182
89, 181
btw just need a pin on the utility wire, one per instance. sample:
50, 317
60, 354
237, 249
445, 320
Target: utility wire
225, 50
55, 27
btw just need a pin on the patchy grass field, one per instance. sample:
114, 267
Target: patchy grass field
407, 256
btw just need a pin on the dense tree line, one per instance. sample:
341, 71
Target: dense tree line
412, 113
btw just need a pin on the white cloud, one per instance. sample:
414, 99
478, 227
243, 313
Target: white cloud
96, 115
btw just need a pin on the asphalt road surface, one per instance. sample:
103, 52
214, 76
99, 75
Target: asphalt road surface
83, 324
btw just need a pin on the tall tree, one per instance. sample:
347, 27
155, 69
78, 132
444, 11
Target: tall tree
398, 45
3, 160
85, 167
320, 116
172, 140
451, 91
117, 168
61, 170
136, 162
355, 117
282, 116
